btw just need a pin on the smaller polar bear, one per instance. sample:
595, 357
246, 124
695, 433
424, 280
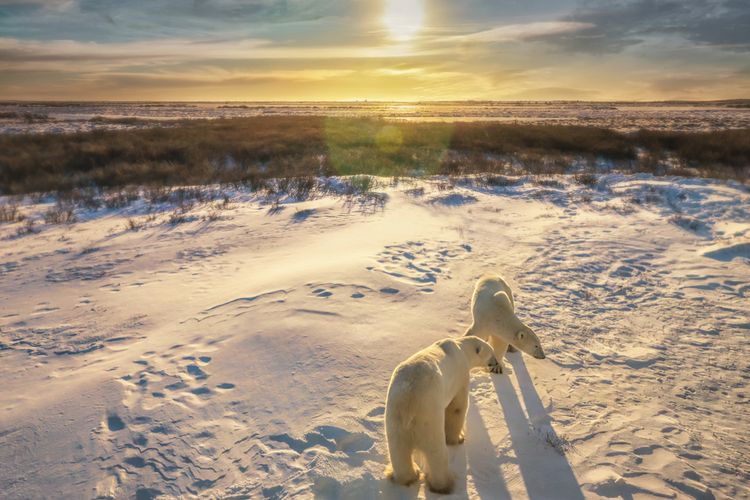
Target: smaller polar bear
495, 320
426, 408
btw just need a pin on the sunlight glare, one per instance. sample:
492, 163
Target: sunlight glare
403, 18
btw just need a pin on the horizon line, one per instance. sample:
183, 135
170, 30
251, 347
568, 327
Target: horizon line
368, 101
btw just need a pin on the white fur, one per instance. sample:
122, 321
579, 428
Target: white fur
426, 408
495, 320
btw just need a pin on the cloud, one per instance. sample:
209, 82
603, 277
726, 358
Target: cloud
494, 12
196, 78
280, 20
58, 54
515, 32
88, 56
247, 10
56, 4
616, 25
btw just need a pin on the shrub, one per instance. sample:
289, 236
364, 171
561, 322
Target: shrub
61, 213
133, 225
27, 228
586, 179
362, 184
10, 213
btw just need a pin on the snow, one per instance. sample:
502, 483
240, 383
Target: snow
247, 354
41, 117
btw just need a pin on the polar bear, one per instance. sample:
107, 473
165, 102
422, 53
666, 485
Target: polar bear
426, 408
495, 320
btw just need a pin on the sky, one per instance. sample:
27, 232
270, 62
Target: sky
262, 50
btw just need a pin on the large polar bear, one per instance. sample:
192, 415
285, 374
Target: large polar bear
495, 320
426, 408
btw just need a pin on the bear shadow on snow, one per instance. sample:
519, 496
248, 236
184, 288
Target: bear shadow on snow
545, 472
479, 456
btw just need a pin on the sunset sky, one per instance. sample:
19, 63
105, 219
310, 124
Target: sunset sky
374, 49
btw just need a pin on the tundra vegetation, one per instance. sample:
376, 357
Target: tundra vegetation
251, 151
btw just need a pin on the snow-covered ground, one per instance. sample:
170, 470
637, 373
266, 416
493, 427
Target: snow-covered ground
244, 351
38, 118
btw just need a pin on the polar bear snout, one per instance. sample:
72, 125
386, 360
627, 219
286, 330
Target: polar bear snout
537, 351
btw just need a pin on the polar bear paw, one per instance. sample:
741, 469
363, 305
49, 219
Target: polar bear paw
407, 479
495, 366
442, 485
454, 441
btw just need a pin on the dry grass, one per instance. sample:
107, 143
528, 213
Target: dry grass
10, 213
251, 151
61, 213
134, 224
120, 198
27, 228
558, 443
180, 216
586, 179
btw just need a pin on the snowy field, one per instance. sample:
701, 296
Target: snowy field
241, 348
32, 117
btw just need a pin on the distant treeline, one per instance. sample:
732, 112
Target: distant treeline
250, 150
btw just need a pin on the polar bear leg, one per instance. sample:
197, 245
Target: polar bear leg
500, 348
439, 477
402, 469
455, 416
432, 443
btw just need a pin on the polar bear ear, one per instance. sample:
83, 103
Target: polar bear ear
479, 349
502, 299
520, 335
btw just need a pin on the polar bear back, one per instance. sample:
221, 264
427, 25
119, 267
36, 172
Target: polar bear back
438, 370
486, 288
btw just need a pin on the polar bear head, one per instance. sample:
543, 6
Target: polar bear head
512, 329
477, 351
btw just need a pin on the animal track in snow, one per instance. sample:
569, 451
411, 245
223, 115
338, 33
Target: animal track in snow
327, 290
149, 435
65, 339
184, 377
321, 449
419, 263
200, 253
115, 423
239, 306
330, 437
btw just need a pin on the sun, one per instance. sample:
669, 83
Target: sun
403, 18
